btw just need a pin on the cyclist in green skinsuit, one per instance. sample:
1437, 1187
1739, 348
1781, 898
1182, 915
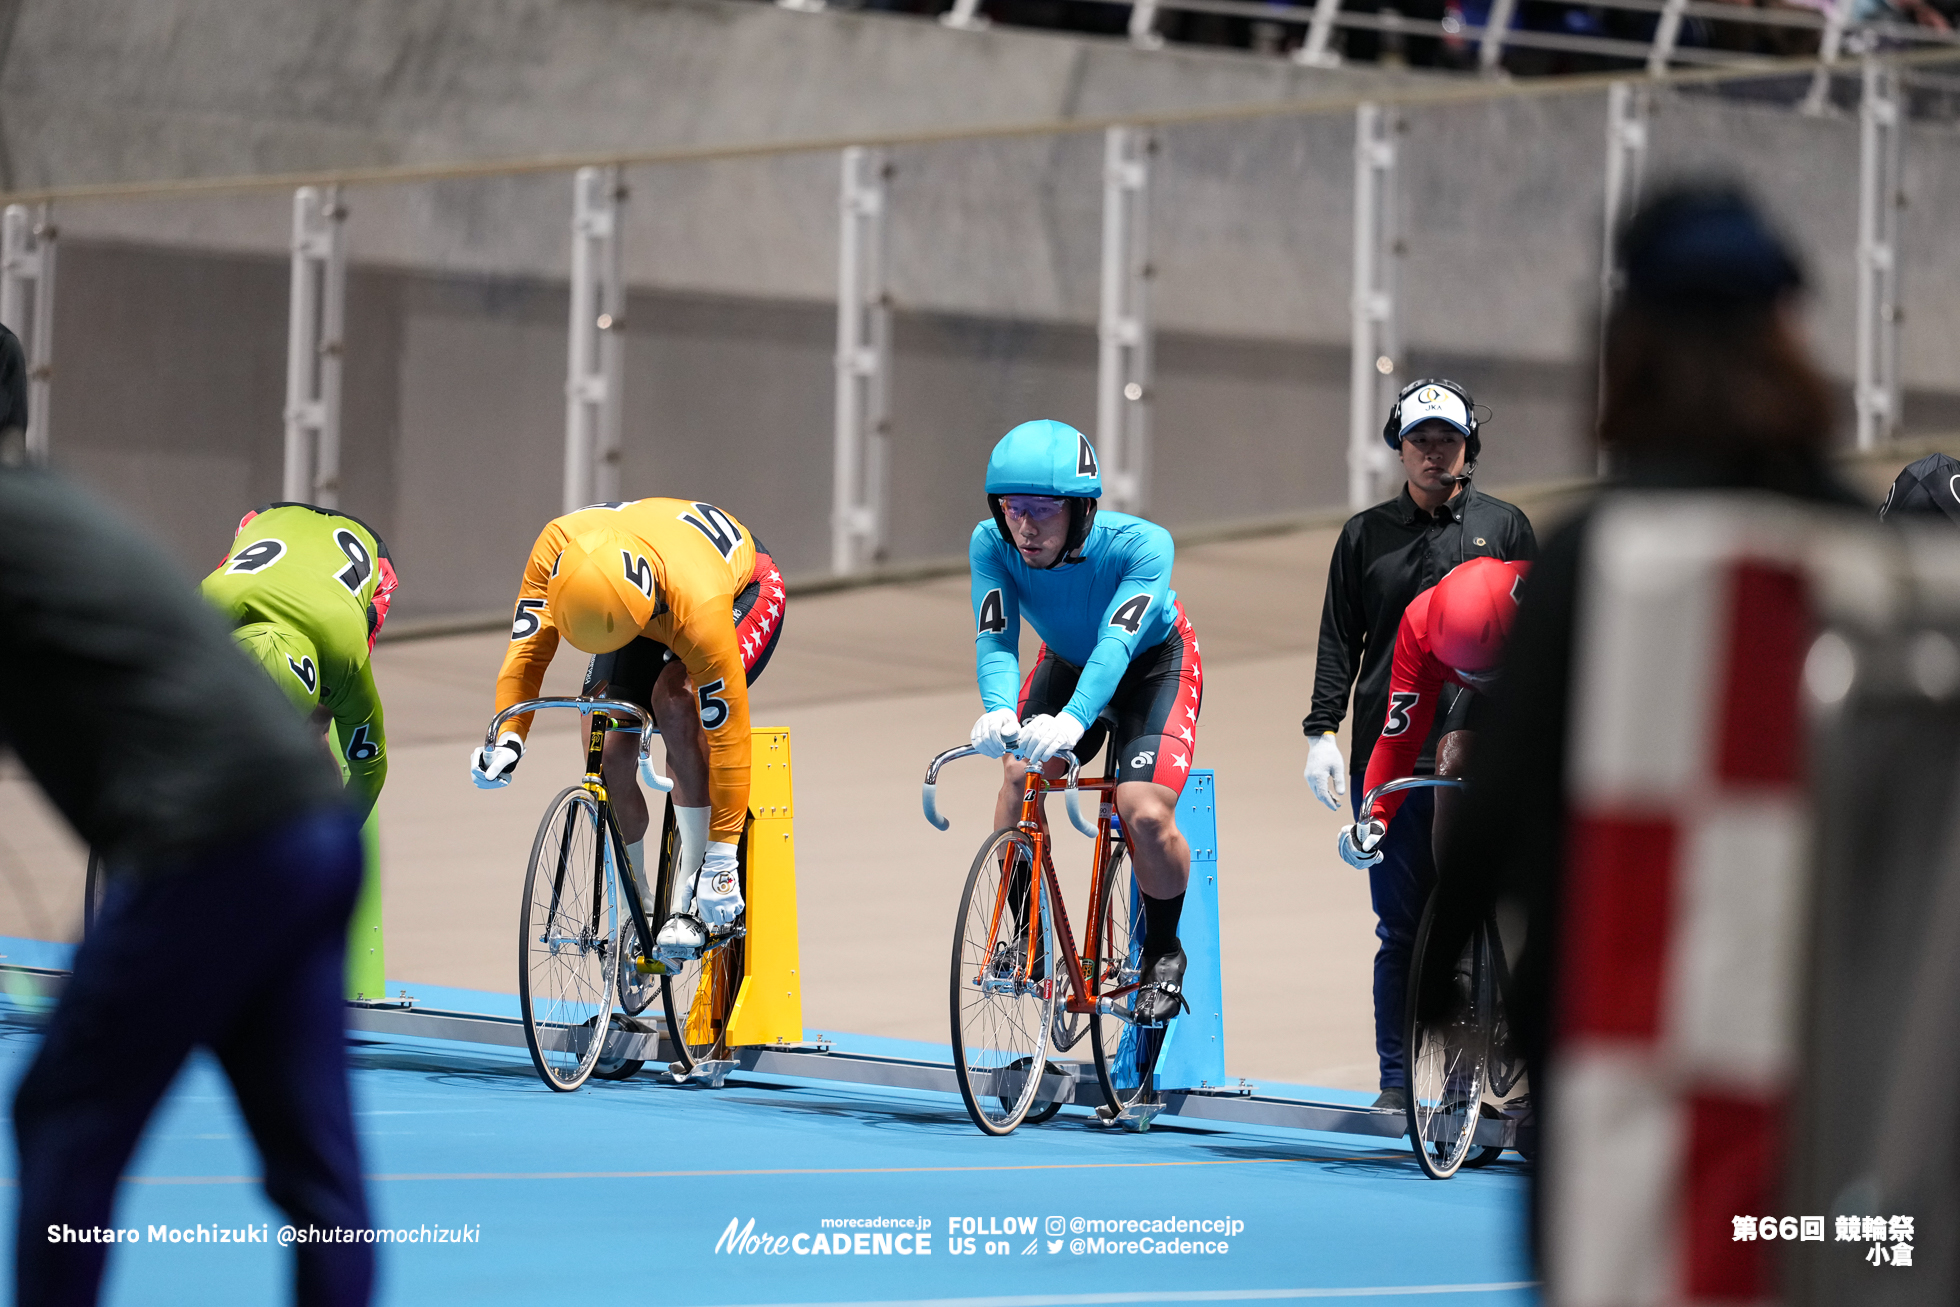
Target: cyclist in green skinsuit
306, 590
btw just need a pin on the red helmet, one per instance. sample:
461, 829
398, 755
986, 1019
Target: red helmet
1470, 613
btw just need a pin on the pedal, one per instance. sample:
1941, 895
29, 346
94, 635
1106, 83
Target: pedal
653, 967
710, 1073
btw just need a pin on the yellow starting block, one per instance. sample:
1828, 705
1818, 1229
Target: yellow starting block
769, 1006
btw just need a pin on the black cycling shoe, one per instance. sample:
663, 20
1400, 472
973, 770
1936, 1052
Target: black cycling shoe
1161, 994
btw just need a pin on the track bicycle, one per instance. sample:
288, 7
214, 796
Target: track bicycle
1463, 1068
576, 957
1009, 942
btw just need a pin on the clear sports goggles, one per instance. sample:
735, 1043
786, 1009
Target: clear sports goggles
1039, 507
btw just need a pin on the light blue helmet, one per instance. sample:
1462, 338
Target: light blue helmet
1046, 457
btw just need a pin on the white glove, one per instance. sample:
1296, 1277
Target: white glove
1046, 736
1327, 770
1361, 844
718, 893
491, 768
995, 731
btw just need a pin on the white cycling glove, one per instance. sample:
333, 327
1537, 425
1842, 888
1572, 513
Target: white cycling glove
718, 896
1361, 844
714, 903
1327, 770
1047, 735
491, 768
995, 731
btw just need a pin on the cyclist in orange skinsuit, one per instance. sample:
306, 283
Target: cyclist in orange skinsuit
681, 608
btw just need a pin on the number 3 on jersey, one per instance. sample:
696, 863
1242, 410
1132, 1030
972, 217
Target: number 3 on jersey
1399, 704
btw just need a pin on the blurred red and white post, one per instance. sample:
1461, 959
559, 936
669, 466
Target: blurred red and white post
1687, 879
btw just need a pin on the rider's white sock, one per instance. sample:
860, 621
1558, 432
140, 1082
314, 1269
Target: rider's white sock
692, 826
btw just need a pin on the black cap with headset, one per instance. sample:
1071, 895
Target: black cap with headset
1471, 425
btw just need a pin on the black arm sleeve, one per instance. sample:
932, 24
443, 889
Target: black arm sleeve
1343, 631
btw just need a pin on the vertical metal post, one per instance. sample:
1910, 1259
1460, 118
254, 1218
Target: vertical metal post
1490, 51
1627, 110
1881, 124
1666, 34
27, 259
965, 14
1818, 101
857, 519
1123, 380
1313, 52
315, 320
594, 380
1143, 24
1377, 338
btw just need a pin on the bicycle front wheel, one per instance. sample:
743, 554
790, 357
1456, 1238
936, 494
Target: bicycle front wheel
1003, 983
567, 941
1449, 1057
1126, 1054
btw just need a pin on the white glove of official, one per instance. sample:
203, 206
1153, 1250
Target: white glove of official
718, 893
995, 731
491, 768
1047, 735
1361, 844
1327, 770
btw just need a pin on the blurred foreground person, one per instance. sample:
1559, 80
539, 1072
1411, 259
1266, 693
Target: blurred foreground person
233, 866
1708, 386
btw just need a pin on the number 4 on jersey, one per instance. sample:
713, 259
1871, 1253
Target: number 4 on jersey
993, 613
1130, 616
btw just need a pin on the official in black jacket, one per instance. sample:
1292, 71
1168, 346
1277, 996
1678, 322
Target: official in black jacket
1385, 557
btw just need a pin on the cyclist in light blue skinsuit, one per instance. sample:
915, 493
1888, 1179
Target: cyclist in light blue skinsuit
1096, 589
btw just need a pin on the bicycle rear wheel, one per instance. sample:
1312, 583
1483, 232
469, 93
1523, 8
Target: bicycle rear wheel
1126, 1054
1002, 988
566, 946
700, 997
1449, 1057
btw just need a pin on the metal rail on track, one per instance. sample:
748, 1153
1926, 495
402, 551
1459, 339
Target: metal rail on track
35, 988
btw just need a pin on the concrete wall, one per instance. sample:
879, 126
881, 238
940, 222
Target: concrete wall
170, 324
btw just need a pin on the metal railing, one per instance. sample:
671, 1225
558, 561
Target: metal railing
1837, 36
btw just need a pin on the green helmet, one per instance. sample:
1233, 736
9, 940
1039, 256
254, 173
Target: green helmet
288, 658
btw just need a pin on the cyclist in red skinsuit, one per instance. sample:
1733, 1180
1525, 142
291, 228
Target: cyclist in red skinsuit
1453, 632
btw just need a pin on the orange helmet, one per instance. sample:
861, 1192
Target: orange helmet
1470, 613
601, 593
